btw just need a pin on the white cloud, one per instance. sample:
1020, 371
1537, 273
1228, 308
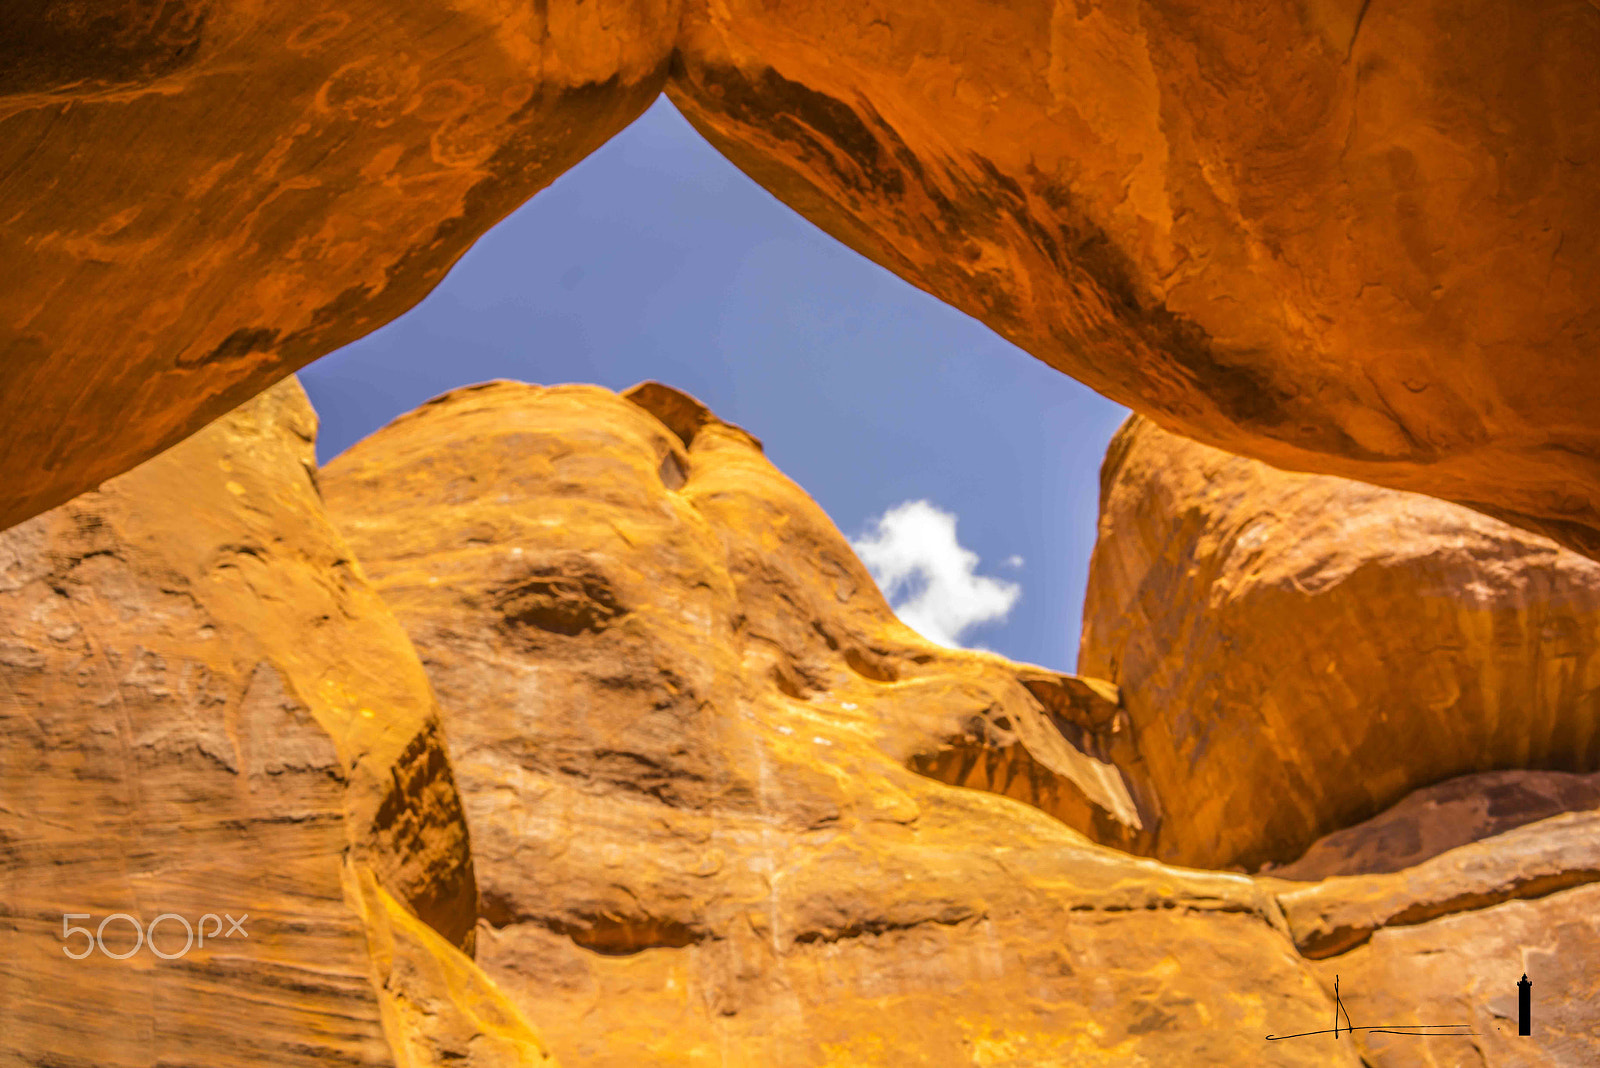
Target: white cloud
928, 577
1013, 561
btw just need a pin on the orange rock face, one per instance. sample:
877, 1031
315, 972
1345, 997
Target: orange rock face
1464, 968
1337, 236
206, 710
1342, 912
1296, 653
691, 793
1445, 939
1438, 818
688, 730
203, 195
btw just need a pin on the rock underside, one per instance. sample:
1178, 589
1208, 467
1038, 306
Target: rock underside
1341, 237
555, 725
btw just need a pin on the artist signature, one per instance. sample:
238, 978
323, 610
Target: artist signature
1415, 1030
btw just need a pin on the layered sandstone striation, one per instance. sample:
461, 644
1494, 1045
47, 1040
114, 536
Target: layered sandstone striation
701, 763
206, 709
1342, 912
1439, 818
1445, 940
1297, 653
1337, 236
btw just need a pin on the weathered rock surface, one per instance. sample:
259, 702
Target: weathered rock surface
1463, 968
1296, 653
684, 723
1444, 941
1339, 236
205, 709
202, 195
1435, 819
1339, 913
705, 801
1353, 238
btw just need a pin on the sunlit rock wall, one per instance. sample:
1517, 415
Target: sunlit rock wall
1296, 653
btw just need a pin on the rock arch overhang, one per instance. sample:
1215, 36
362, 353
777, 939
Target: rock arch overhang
1351, 238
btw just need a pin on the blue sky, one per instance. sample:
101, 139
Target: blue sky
656, 258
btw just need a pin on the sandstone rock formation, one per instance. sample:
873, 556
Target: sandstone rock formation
1439, 818
685, 723
1444, 942
691, 794
1463, 968
1296, 653
1337, 236
205, 709
202, 195
1340, 913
